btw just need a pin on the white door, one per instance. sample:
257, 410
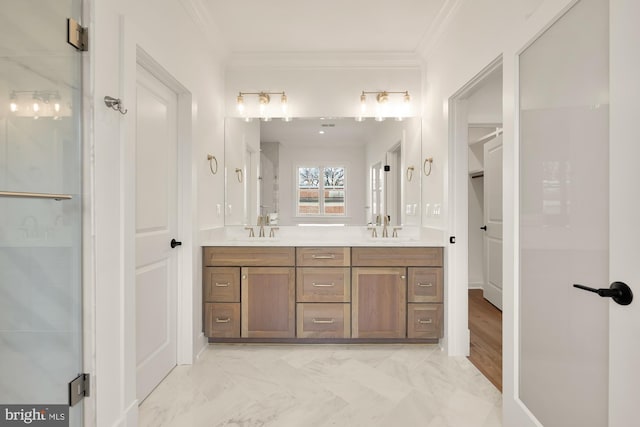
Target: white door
493, 221
156, 226
577, 354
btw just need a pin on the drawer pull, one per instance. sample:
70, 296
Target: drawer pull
329, 321
425, 285
222, 285
225, 320
425, 322
323, 285
330, 256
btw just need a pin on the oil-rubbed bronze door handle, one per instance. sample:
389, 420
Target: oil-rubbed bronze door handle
619, 291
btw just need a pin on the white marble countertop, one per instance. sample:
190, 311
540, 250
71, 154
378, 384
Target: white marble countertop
322, 236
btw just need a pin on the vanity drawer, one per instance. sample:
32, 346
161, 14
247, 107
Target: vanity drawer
222, 320
221, 284
323, 257
425, 320
249, 256
323, 284
425, 285
317, 320
396, 257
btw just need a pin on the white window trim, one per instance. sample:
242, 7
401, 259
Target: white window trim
321, 165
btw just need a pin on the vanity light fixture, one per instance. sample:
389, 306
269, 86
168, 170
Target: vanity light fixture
36, 103
264, 98
382, 104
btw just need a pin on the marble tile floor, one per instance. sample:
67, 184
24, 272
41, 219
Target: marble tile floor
256, 385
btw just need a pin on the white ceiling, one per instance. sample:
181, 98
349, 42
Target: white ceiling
290, 26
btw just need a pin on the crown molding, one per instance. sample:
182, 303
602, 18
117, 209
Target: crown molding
199, 14
434, 33
382, 60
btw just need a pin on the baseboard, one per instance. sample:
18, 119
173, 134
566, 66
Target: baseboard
202, 343
129, 417
476, 285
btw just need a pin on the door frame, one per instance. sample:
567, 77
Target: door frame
185, 221
457, 320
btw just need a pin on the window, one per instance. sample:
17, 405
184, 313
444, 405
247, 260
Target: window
321, 191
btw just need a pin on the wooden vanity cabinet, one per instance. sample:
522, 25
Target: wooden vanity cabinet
358, 294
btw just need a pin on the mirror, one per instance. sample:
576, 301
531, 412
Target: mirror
322, 171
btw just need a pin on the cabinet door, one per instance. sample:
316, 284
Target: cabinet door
268, 302
379, 303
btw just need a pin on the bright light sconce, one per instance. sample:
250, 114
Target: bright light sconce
264, 99
384, 106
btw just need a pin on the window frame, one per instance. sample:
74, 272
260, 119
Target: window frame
321, 188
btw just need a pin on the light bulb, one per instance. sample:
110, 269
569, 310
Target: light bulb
263, 108
363, 103
56, 107
284, 103
240, 103
36, 107
13, 107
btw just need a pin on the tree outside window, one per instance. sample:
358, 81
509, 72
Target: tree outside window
321, 191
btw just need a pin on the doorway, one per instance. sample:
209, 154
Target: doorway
477, 114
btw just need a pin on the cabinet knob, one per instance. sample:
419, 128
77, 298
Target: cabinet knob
244, 276
403, 277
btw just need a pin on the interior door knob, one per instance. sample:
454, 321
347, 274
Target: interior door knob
484, 227
619, 291
175, 243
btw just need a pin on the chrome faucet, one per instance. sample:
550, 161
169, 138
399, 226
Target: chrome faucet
374, 232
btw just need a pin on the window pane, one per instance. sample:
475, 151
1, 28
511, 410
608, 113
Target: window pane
308, 201
334, 177
308, 191
308, 177
334, 201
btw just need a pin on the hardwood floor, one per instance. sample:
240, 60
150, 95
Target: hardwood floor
485, 324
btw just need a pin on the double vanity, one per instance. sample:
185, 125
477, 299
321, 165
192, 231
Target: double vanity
313, 289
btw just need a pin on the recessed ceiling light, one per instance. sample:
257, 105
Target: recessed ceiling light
321, 132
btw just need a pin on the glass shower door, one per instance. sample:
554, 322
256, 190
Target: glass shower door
40, 204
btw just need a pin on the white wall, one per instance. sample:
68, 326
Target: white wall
164, 30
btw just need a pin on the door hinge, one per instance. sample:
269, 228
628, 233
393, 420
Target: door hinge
79, 388
77, 35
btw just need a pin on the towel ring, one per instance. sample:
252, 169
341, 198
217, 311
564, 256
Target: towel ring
410, 173
212, 159
239, 174
424, 166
